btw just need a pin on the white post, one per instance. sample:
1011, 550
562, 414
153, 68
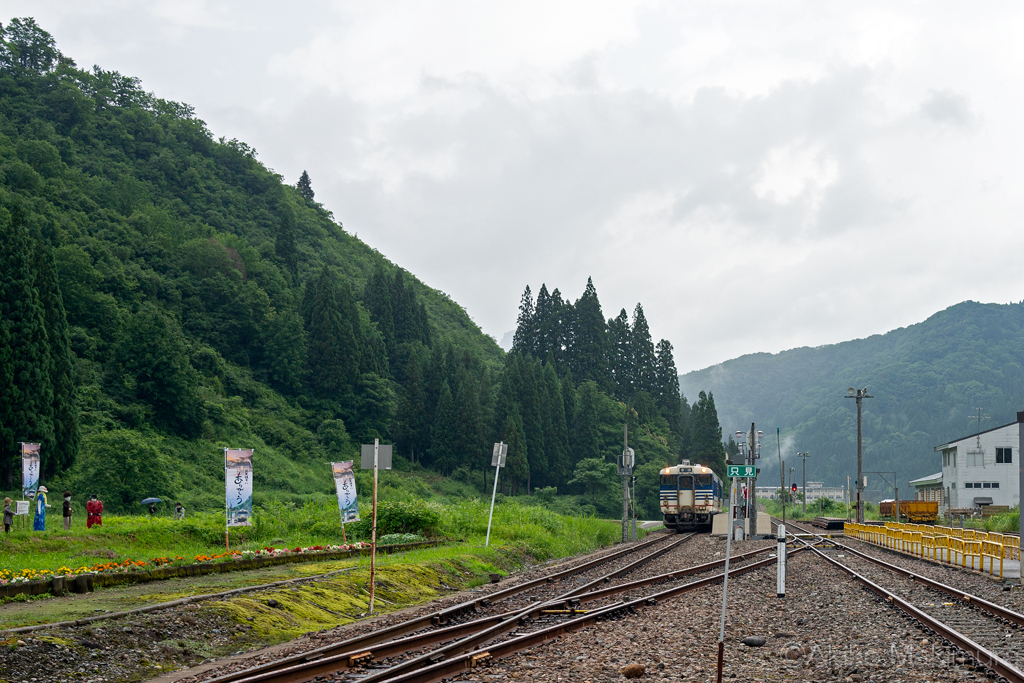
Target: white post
725, 580
780, 553
497, 470
373, 527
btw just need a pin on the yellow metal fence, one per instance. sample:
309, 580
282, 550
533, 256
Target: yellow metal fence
964, 547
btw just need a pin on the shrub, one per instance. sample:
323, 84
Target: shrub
400, 517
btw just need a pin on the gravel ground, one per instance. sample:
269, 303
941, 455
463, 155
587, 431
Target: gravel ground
140, 647
826, 629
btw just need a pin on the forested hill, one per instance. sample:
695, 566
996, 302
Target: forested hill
164, 295
928, 380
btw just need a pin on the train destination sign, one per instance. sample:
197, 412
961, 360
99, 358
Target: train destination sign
741, 471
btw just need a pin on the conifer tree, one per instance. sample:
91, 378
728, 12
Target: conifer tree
332, 357
621, 359
524, 341
644, 361
556, 438
305, 187
517, 463
588, 358
704, 436
443, 434
377, 297
586, 435
284, 244
285, 357
666, 393
412, 422
26, 411
64, 447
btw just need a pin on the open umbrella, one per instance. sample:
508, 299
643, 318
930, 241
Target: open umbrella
148, 501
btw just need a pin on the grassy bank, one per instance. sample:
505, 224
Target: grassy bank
533, 531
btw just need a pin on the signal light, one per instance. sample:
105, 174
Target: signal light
794, 488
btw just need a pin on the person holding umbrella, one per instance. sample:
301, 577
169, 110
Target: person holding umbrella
151, 502
67, 511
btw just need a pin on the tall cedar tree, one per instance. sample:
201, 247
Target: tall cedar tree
284, 244
305, 187
704, 439
586, 434
443, 433
377, 297
26, 408
524, 341
644, 361
621, 361
517, 463
412, 422
332, 357
65, 445
556, 437
667, 394
589, 352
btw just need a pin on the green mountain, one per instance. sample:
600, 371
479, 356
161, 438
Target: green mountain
927, 381
164, 295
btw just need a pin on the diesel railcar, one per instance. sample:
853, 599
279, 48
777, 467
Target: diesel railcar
691, 495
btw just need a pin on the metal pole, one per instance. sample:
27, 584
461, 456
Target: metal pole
725, 581
752, 485
860, 462
497, 469
625, 484
373, 528
632, 480
1020, 467
782, 474
780, 554
805, 483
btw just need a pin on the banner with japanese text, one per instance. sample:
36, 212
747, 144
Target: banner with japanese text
238, 477
29, 469
345, 485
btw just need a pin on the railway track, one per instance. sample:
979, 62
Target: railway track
434, 647
988, 634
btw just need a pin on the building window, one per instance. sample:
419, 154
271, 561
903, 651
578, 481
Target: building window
1004, 455
968, 485
986, 485
995, 484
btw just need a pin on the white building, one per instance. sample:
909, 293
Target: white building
981, 469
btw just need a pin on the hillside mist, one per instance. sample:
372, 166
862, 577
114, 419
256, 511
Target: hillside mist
928, 380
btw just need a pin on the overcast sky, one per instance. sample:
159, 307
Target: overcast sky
760, 176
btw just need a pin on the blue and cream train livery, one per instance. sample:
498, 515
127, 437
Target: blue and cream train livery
691, 495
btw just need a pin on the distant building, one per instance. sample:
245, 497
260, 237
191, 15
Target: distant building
815, 490
930, 488
981, 469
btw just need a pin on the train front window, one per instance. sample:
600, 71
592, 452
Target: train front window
668, 479
685, 483
703, 480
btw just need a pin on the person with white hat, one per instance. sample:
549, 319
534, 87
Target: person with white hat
40, 521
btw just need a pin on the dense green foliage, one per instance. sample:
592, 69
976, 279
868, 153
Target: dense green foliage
164, 295
927, 380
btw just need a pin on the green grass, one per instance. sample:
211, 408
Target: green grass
521, 528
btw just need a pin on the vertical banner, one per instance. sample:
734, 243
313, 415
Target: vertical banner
345, 485
29, 469
238, 477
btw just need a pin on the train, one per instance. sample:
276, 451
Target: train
916, 511
691, 495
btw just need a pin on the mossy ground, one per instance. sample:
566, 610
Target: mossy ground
344, 598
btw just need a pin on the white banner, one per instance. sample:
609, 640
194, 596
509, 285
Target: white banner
345, 485
238, 478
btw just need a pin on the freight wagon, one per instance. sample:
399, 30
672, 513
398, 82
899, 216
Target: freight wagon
917, 511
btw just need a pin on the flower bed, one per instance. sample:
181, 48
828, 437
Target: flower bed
33, 581
130, 565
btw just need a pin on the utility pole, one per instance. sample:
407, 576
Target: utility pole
859, 395
782, 471
625, 467
753, 453
804, 456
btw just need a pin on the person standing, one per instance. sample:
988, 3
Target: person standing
179, 511
94, 511
39, 523
152, 509
8, 515
67, 511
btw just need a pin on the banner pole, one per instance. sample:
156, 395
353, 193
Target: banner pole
227, 542
373, 531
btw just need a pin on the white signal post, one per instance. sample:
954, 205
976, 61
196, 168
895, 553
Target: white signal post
725, 580
780, 554
497, 459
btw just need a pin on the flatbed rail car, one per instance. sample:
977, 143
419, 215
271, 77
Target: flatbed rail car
916, 511
691, 495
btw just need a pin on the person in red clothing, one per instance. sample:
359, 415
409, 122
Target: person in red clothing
93, 512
